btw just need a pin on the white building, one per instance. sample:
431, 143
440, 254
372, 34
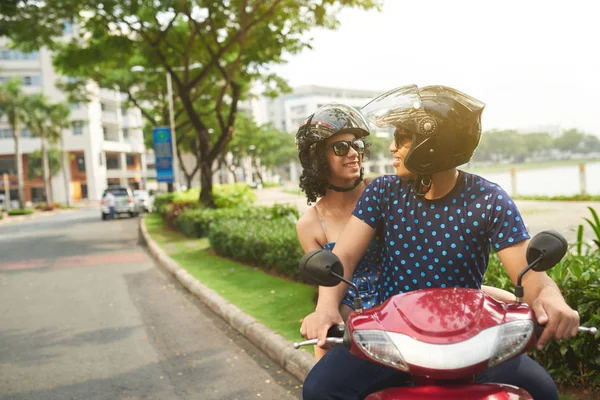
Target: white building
105, 142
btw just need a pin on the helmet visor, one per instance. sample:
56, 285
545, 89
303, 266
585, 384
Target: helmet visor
398, 107
335, 118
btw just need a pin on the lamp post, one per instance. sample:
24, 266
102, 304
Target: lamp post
140, 68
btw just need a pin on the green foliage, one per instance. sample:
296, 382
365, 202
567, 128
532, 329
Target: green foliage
34, 163
233, 195
595, 225
272, 244
213, 51
575, 361
197, 222
20, 211
513, 146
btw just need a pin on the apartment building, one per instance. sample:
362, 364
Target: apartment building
105, 141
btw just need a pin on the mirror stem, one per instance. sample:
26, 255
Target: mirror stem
357, 302
519, 290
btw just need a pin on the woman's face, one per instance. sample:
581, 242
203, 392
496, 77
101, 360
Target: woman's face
399, 148
343, 169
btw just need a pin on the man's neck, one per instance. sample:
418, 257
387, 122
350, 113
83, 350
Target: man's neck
442, 183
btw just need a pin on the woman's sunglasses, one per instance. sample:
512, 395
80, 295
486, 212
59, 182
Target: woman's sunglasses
342, 147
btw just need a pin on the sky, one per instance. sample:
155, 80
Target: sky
533, 63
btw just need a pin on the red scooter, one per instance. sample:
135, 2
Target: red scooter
442, 337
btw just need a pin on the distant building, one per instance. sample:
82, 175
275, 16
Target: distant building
105, 141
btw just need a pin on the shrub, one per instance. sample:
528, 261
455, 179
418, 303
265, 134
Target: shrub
20, 211
270, 244
196, 222
575, 361
227, 196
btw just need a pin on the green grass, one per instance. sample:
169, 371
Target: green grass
277, 303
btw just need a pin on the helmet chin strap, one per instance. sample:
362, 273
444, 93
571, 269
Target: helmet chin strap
347, 188
421, 184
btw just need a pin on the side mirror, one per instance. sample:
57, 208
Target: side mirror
317, 266
550, 246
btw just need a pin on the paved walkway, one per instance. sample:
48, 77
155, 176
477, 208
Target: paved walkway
562, 216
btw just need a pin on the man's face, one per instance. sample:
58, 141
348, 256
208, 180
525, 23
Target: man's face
399, 148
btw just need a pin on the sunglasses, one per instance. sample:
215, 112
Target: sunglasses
342, 147
402, 139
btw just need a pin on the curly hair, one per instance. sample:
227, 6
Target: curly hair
313, 182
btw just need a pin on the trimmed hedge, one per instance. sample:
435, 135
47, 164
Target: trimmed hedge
20, 211
196, 222
573, 362
270, 244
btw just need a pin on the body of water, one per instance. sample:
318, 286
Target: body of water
549, 181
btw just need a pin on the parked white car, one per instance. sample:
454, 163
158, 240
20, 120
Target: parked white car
125, 203
144, 200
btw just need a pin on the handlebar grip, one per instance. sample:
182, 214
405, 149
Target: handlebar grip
336, 331
539, 329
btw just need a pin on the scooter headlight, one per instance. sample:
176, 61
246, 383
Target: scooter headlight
378, 346
512, 338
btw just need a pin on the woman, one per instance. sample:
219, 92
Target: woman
331, 148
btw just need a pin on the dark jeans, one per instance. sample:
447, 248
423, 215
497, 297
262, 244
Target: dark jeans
112, 213
340, 375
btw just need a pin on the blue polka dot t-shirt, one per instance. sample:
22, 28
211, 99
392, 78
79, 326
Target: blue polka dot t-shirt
438, 243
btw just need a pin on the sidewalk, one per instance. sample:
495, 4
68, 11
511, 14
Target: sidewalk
41, 214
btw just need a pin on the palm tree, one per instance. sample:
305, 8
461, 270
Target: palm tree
47, 122
12, 104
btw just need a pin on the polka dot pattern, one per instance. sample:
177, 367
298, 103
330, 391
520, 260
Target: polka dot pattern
446, 242
366, 275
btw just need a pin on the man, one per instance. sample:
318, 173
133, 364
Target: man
110, 201
437, 225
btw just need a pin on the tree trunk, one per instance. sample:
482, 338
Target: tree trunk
46, 171
257, 170
19, 166
206, 195
188, 180
66, 172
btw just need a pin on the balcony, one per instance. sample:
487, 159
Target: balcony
109, 117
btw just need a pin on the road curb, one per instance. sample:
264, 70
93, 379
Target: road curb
6, 220
296, 362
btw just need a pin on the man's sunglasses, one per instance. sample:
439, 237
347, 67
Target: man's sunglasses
402, 139
342, 147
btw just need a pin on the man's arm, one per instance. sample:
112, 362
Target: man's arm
542, 294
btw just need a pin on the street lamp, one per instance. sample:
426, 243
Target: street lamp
141, 68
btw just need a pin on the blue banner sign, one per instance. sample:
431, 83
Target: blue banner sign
163, 152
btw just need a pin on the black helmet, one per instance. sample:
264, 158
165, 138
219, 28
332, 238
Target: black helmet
327, 121
445, 125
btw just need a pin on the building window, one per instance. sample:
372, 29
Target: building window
125, 133
38, 195
5, 133
26, 133
105, 133
81, 162
16, 55
100, 158
103, 106
77, 128
112, 162
130, 160
7, 166
75, 106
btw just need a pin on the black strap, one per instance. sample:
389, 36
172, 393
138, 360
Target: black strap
422, 184
348, 188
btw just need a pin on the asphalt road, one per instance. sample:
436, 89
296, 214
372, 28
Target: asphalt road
86, 314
